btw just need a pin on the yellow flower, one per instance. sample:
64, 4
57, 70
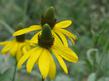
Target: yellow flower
42, 54
16, 47
58, 28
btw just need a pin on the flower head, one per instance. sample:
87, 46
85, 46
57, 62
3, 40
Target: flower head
58, 28
42, 54
16, 47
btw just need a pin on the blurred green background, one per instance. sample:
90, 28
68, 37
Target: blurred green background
91, 25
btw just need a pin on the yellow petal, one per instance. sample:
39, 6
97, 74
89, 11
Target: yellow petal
56, 39
71, 36
22, 49
60, 60
6, 48
63, 38
67, 54
14, 49
25, 50
19, 52
52, 70
63, 24
44, 63
24, 58
4, 43
32, 60
27, 30
35, 38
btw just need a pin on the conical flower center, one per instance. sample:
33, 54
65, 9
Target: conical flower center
48, 21
46, 39
49, 18
20, 38
45, 43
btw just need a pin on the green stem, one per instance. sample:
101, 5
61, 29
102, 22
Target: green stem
15, 70
42, 79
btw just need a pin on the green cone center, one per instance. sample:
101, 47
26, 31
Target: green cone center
46, 39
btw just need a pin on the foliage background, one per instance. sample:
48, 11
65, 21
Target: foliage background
91, 25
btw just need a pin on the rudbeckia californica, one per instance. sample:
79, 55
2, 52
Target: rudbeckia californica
16, 46
42, 54
58, 28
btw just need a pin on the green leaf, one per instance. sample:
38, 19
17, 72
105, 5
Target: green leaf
62, 77
92, 77
7, 69
104, 79
4, 66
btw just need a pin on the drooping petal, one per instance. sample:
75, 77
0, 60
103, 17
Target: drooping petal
25, 49
24, 58
28, 43
27, 30
67, 53
22, 49
19, 52
52, 70
60, 60
14, 49
32, 60
35, 38
6, 48
56, 39
71, 36
44, 63
63, 38
63, 24
4, 43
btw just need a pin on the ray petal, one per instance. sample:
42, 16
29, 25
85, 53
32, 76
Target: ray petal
63, 38
19, 52
67, 54
52, 70
63, 24
27, 30
71, 36
24, 58
4, 43
6, 48
32, 60
14, 49
43, 63
60, 60
35, 38
56, 39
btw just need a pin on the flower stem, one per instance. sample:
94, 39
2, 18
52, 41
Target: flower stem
15, 70
42, 79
